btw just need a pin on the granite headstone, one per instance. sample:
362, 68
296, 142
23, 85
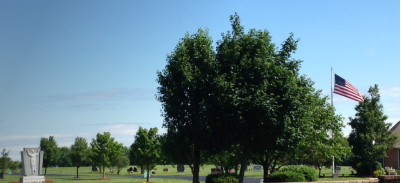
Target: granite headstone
180, 168
257, 168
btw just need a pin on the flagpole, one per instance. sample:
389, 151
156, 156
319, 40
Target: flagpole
332, 134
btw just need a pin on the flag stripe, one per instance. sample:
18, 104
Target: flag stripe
348, 90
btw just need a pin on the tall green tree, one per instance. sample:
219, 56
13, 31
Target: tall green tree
4, 160
370, 136
51, 151
147, 148
105, 150
185, 88
260, 93
79, 152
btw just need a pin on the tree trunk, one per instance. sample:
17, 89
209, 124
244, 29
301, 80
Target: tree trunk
45, 169
265, 173
195, 173
243, 167
104, 173
147, 176
370, 168
77, 171
265, 164
320, 170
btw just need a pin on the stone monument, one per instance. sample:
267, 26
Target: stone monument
32, 162
257, 168
180, 168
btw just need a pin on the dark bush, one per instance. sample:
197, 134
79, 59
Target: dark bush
286, 177
310, 174
222, 178
363, 168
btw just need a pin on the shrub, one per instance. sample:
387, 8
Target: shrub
286, 177
363, 168
222, 178
309, 173
378, 172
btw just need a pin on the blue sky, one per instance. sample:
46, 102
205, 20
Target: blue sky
76, 68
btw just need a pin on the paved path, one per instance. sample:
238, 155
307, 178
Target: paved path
201, 178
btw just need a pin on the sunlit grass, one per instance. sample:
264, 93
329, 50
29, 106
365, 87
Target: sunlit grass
68, 174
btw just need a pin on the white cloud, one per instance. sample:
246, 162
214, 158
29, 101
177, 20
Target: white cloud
122, 129
110, 94
390, 92
30, 137
123, 133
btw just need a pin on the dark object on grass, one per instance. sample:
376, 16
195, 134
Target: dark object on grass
215, 171
132, 170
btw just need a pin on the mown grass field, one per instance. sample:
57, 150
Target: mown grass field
68, 174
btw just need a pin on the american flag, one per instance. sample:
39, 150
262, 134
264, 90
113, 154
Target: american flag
343, 88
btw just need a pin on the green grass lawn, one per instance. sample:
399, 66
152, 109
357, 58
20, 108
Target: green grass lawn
86, 176
90, 179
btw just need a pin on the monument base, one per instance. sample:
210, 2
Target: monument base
32, 179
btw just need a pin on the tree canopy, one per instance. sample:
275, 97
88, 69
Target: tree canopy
261, 95
247, 96
370, 136
105, 150
51, 151
4, 160
185, 88
79, 152
65, 157
147, 148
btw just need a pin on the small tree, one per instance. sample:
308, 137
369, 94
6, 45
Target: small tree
120, 162
14, 166
323, 137
79, 152
147, 148
51, 151
105, 150
226, 160
370, 135
4, 160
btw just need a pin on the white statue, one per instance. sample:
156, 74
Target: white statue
33, 155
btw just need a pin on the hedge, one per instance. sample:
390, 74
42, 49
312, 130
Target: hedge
310, 174
286, 177
222, 178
